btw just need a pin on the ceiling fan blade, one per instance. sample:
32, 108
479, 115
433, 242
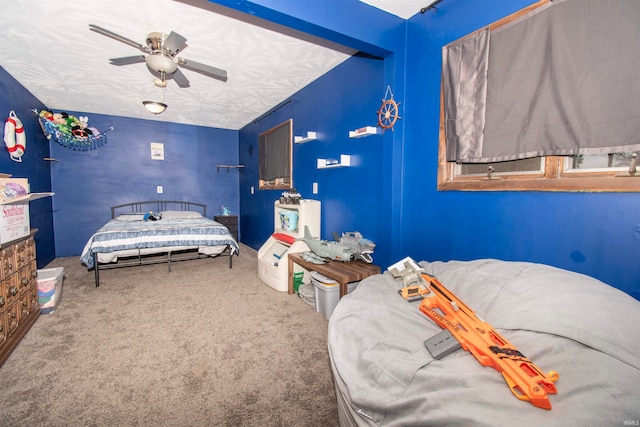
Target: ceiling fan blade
126, 60
174, 43
118, 37
180, 78
207, 70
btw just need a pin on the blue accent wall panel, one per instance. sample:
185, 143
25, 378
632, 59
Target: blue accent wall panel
597, 234
88, 183
343, 100
592, 233
346, 22
14, 97
389, 193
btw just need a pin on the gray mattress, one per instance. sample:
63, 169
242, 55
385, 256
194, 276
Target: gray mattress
578, 326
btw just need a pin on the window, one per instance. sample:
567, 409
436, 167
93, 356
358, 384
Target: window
512, 122
619, 162
275, 157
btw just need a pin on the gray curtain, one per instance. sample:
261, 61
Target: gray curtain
275, 152
563, 80
464, 74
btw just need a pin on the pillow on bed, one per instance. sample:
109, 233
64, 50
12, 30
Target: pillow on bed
130, 217
180, 215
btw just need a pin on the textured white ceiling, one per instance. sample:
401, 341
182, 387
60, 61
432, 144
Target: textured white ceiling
402, 8
47, 46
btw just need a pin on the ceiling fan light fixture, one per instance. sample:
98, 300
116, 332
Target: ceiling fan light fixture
154, 107
161, 63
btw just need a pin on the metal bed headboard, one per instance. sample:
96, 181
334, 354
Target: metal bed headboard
157, 206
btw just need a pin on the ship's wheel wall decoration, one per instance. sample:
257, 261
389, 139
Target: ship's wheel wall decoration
388, 113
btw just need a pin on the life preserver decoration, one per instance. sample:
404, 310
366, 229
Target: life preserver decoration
14, 137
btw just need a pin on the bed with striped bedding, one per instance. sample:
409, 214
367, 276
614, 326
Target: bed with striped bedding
131, 237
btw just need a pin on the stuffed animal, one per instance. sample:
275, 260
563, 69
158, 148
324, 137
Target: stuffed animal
151, 216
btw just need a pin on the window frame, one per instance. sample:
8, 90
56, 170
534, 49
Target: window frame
553, 178
286, 182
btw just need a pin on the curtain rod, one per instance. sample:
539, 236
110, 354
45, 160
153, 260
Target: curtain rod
273, 110
431, 6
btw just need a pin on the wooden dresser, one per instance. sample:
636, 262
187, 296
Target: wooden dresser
19, 307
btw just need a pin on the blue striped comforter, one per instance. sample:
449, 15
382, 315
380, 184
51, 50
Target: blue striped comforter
118, 235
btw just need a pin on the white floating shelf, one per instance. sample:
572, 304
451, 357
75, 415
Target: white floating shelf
302, 139
367, 130
27, 198
345, 160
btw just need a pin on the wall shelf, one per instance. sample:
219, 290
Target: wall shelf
345, 161
229, 167
311, 136
27, 198
364, 131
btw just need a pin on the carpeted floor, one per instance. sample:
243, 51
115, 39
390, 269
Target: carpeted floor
203, 345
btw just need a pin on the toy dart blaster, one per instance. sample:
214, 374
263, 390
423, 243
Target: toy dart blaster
526, 381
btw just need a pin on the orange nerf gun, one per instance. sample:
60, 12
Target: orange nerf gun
526, 381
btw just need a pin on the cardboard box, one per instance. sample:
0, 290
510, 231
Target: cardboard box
13, 188
14, 222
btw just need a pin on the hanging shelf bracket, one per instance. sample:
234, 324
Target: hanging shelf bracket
218, 167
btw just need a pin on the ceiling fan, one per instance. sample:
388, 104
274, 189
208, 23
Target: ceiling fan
161, 59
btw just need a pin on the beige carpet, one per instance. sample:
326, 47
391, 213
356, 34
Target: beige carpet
202, 345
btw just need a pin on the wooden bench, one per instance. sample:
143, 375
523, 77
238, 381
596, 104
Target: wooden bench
342, 272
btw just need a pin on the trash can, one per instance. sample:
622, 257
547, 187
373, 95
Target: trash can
50, 288
327, 293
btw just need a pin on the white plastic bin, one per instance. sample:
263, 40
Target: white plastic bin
327, 293
305, 291
50, 288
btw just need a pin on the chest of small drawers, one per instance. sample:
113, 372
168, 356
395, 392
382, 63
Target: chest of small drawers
19, 308
229, 221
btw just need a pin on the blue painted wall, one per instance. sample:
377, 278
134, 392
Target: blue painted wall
14, 96
345, 99
595, 234
389, 194
87, 183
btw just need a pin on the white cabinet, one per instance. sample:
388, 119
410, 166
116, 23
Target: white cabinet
288, 225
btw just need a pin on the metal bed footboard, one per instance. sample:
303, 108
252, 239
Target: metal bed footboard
160, 258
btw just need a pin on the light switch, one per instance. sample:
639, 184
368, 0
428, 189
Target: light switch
315, 188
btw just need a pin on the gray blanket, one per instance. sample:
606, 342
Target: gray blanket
580, 327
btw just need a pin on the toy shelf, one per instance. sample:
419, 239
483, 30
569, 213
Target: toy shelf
364, 131
345, 161
289, 220
311, 136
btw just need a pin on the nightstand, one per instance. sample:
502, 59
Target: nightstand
229, 221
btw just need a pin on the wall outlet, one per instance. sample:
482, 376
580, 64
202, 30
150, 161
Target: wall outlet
159, 189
